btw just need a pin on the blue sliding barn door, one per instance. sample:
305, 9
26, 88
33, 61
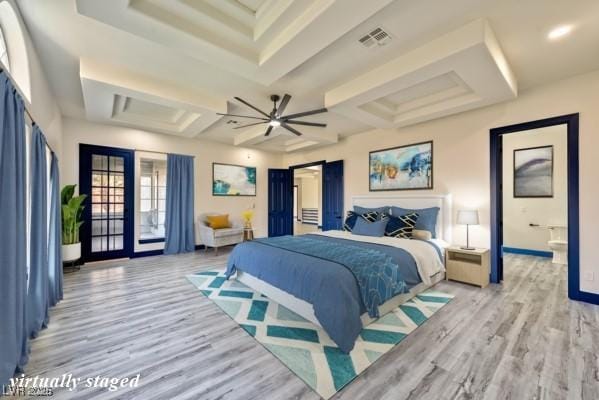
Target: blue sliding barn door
280, 202
332, 196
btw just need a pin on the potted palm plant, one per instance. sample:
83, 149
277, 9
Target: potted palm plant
72, 210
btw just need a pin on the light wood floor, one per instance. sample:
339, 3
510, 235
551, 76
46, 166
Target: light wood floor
522, 340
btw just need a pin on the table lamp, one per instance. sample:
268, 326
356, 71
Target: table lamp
467, 217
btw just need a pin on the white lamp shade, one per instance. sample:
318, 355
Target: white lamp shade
467, 217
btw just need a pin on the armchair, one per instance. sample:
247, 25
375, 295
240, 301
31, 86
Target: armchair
216, 238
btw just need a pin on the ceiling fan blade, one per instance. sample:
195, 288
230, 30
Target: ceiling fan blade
307, 123
252, 107
268, 130
305, 113
283, 104
291, 129
242, 116
256, 123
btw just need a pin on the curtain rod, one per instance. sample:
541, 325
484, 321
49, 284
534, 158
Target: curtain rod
18, 90
161, 152
25, 101
151, 151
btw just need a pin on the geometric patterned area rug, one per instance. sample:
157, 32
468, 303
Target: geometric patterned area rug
305, 348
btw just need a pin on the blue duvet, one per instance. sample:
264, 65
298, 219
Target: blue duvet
334, 275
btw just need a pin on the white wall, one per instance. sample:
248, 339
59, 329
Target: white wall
33, 85
461, 157
310, 193
205, 152
518, 213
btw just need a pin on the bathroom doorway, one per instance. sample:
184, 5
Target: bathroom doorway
534, 194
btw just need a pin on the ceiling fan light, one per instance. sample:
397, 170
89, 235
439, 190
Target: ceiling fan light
274, 123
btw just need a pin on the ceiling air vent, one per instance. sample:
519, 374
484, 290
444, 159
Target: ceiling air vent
378, 36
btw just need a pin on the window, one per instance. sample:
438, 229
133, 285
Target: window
107, 203
152, 200
4, 51
13, 49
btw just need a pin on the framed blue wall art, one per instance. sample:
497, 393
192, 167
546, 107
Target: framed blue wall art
407, 167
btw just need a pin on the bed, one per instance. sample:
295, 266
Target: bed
328, 277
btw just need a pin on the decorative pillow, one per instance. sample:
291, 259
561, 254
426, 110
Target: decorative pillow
372, 216
353, 216
427, 218
218, 221
402, 226
350, 221
365, 228
421, 235
380, 210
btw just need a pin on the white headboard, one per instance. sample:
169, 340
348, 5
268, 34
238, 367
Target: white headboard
414, 201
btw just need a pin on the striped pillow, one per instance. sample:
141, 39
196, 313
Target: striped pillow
402, 226
370, 216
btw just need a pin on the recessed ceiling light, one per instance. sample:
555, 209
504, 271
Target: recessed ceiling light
559, 32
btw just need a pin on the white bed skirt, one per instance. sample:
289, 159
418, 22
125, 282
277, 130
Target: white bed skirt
306, 310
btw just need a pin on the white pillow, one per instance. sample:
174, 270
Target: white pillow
421, 234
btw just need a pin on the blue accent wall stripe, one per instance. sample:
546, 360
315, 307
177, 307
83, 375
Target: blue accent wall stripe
159, 252
147, 253
587, 297
527, 252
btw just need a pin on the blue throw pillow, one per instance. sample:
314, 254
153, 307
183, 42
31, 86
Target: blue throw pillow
365, 228
401, 226
427, 218
380, 210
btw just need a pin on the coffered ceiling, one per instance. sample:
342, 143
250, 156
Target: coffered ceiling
116, 95
262, 42
461, 70
171, 65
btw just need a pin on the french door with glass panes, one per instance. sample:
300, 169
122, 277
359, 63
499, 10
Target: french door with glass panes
106, 177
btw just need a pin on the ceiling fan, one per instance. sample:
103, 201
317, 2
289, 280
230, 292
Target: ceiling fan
276, 117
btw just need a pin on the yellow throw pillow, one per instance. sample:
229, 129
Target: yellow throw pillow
218, 221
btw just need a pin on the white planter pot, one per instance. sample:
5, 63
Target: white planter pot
71, 252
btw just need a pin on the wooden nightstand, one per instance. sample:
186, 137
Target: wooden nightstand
468, 266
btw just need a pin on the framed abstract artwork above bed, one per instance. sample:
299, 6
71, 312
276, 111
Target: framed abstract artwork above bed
407, 167
533, 172
233, 180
